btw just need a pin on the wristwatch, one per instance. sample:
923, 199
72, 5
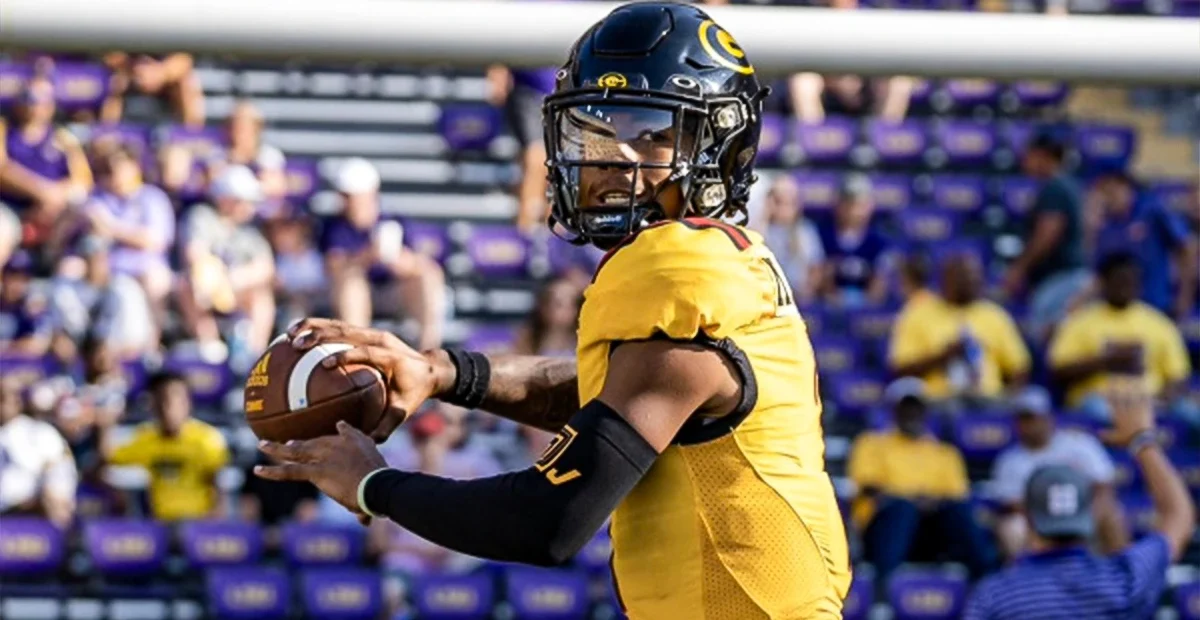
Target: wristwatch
1141, 441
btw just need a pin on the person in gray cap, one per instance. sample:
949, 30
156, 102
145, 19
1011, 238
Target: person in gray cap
1041, 443
1060, 578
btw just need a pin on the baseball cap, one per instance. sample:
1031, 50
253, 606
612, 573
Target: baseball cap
904, 388
237, 182
1058, 501
1033, 400
356, 176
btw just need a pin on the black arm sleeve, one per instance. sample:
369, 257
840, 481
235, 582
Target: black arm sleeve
542, 515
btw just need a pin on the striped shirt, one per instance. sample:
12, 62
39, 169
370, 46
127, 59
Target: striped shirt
1071, 584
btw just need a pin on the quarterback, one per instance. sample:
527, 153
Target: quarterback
691, 414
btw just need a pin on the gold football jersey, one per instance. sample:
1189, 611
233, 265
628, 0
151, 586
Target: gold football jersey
737, 519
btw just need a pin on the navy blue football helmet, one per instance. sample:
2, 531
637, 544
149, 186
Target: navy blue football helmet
660, 90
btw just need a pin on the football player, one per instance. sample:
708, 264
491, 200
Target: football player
692, 416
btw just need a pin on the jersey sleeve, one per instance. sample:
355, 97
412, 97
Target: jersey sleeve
680, 280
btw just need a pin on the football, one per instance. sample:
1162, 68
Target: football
290, 395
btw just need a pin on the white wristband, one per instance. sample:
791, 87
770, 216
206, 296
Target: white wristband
362, 489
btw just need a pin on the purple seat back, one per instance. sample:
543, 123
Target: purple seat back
835, 353
547, 594
316, 544
921, 92
871, 324
250, 593
80, 86
860, 598
454, 597
1126, 476
93, 502
1188, 464
964, 193
892, 192
818, 189
771, 139
815, 319
854, 391
126, 548
302, 179
498, 251
902, 143
468, 127
135, 137
29, 547
1175, 195
25, 369
1139, 513
595, 555
495, 338
202, 142
428, 238
1105, 146
12, 79
972, 92
829, 141
213, 543
1017, 135
967, 143
929, 225
1038, 94
1187, 600
921, 595
207, 381
1174, 433
982, 437
1018, 194
341, 593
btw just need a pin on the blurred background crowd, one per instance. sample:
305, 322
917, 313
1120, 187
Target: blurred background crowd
976, 261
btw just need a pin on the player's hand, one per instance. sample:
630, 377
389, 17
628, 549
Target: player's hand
335, 464
411, 377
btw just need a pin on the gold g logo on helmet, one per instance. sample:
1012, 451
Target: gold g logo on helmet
722, 48
612, 80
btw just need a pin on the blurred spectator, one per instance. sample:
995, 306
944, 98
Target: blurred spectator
854, 248
361, 250
138, 218
229, 263
1132, 219
1121, 336
814, 96
181, 454
25, 321
243, 132
960, 343
793, 239
10, 226
175, 174
912, 491
170, 78
102, 305
521, 91
43, 169
300, 284
35, 463
1041, 444
271, 503
550, 329
1059, 574
1051, 267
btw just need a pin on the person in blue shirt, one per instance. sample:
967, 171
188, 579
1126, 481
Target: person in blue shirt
855, 249
1134, 220
1060, 579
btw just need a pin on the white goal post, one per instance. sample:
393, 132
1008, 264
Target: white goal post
476, 32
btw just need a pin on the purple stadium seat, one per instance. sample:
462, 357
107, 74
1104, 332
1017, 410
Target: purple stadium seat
1139, 513
29, 547
835, 354
341, 593
922, 90
93, 502
468, 127
214, 543
1185, 8
1175, 195
126, 548
926, 595
972, 92
12, 79
1173, 432
818, 189
858, 601
498, 251
982, 437
301, 178
1078, 423
814, 319
892, 192
827, 142
80, 86
1187, 600
854, 392
1018, 194
315, 544
1188, 464
1190, 329
929, 225
595, 555
1038, 94
967, 143
250, 593
871, 324
25, 369
959, 192
454, 597
1017, 135
135, 377
208, 381
1105, 146
428, 238
897, 144
565, 257
201, 142
538, 594
1127, 478
771, 139
953, 248
135, 137
494, 338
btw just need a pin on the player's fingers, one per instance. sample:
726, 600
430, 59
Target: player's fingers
292, 451
371, 356
287, 471
388, 425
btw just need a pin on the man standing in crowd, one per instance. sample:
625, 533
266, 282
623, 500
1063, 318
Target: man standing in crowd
1060, 578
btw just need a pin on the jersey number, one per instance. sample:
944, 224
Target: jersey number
785, 300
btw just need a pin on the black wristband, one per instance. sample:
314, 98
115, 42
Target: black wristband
473, 374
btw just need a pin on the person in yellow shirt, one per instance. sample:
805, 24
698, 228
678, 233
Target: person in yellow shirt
183, 455
959, 343
912, 492
1118, 335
